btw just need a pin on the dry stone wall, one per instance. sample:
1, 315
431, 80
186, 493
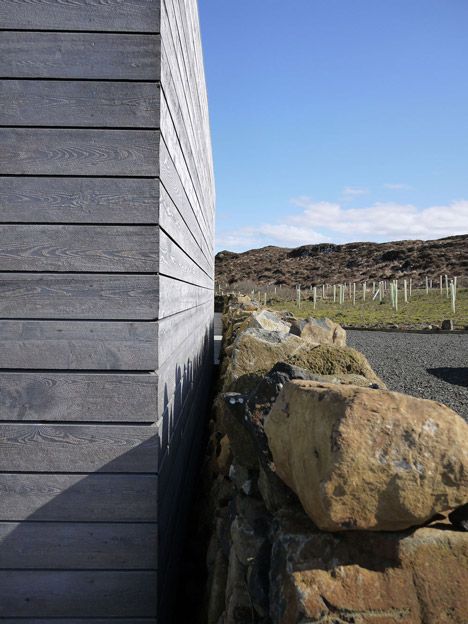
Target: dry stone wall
327, 496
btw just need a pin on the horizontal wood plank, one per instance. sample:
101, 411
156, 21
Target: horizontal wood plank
181, 390
102, 15
62, 248
43, 151
83, 594
179, 161
172, 184
79, 55
173, 470
172, 222
78, 498
184, 87
79, 104
69, 397
77, 546
78, 448
174, 131
176, 296
78, 345
175, 262
183, 366
172, 139
79, 200
175, 329
78, 296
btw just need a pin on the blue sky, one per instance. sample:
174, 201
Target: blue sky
337, 120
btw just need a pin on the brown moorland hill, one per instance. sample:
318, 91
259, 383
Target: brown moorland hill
330, 263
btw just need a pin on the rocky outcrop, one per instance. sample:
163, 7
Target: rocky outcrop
360, 458
319, 331
355, 262
382, 458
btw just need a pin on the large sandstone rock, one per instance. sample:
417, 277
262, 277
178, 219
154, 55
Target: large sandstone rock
415, 577
360, 458
264, 319
255, 351
319, 331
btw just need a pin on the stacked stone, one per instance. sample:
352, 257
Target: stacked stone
328, 494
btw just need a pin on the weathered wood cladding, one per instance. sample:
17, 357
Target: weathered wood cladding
108, 15
106, 303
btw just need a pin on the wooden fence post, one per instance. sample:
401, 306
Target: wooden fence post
453, 289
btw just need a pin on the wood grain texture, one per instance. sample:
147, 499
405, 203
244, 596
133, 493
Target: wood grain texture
78, 296
175, 262
79, 104
69, 397
79, 55
174, 468
78, 546
79, 200
78, 448
186, 163
65, 248
180, 164
175, 296
175, 329
171, 221
29, 593
78, 345
183, 80
181, 121
170, 453
102, 15
171, 183
89, 284
182, 367
40, 151
78, 498
181, 391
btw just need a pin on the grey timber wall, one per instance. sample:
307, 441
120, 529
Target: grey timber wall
106, 303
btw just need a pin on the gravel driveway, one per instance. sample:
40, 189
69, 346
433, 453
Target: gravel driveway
431, 366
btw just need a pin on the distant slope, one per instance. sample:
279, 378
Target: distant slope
328, 263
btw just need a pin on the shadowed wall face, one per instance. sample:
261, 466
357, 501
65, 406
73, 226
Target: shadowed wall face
106, 289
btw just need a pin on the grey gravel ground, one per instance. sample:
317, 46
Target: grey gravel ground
431, 366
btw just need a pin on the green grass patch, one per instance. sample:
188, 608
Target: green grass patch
421, 309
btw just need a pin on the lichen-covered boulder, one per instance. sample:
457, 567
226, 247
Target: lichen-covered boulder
255, 351
319, 331
359, 458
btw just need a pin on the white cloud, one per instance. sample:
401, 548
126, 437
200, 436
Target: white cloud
280, 234
397, 187
317, 222
384, 220
354, 191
